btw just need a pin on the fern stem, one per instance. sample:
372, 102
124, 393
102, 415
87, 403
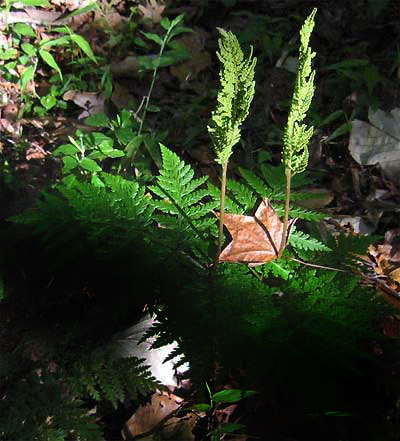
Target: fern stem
221, 212
286, 215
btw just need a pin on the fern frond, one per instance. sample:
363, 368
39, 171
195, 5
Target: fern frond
102, 376
302, 213
230, 205
277, 269
256, 183
243, 194
347, 247
183, 206
302, 241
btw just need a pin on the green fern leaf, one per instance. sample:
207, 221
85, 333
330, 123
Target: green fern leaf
256, 183
230, 205
183, 204
302, 213
302, 241
243, 194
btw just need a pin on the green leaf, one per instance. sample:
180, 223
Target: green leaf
29, 49
89, 165
27, 76
101, 139
168, 58
202, 407
177, 20
61, 41
179, 30
98, 120
2, 291
84, 46
48, 101
115, 153
338, 413
230, 427
106, 146
63, 30
124, 135
90, 7
154, 109
165, 23
24, 29
347, 64
152, 147
43, 3
49, 59
153, 37
139, 42
231, 395
331, 118
340, 131
97, 182
69, 164
133, 146
66, 149
8, 54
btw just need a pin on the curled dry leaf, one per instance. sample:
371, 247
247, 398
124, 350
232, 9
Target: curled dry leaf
255, 239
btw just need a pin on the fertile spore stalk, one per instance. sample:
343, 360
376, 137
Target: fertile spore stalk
296, 135
234, 99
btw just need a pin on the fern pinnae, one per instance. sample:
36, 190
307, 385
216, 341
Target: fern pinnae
255, 182
242, 193
181, 195
303, 241
302, 213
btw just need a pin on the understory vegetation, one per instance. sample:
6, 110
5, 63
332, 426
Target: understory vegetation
151, 164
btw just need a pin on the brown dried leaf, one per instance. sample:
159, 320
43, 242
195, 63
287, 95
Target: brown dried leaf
90, 101
152, 10
148, 417
255, 239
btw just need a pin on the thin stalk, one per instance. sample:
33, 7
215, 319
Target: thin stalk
286, 215
147, 98
221, 213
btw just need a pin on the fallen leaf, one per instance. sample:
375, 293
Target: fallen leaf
179, 429
378, 142
35, 153
395, 275
129, 343
149, 416
152, 10
255, 239
356, 223
90, 101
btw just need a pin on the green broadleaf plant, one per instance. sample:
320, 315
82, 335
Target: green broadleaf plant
172, 29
